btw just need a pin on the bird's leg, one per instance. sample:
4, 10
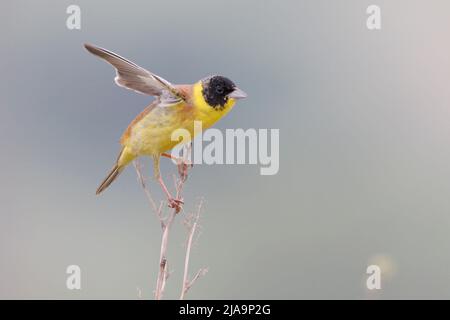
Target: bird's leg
168, 155
182, 165
173, 203
178, 160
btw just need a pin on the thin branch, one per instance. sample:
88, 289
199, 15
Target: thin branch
163, 273
200, 272
143, 182
166, 224
192, 224
163, 269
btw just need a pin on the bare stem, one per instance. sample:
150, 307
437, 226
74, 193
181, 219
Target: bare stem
163, 268
143, 182
166, 224
162, 273
192, 227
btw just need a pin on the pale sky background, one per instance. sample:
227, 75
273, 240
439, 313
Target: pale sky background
364, 119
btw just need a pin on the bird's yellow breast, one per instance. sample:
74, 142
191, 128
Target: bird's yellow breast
152, 134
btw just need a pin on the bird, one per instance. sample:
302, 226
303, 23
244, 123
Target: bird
174, 107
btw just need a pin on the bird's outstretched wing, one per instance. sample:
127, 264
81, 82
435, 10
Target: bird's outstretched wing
134, 77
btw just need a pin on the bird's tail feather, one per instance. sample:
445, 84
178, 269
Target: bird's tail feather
116, 170
124, 158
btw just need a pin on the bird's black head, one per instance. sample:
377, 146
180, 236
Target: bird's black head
216, 90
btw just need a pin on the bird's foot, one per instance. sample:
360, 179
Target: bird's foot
183, 170
176, 204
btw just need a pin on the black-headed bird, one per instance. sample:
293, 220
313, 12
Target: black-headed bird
175, 107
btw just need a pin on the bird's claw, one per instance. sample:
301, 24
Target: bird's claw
176, 204
183, 169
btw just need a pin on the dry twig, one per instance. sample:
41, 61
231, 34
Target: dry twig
191, 223
166, 224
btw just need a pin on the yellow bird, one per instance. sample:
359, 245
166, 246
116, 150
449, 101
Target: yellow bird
175, 107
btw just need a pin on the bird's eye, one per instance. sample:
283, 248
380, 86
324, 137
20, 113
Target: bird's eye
219, 89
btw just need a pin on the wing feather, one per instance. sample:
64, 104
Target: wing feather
131, 76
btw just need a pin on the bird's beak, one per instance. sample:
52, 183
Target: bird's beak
237, 94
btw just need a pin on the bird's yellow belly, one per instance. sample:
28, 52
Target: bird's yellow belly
152, 135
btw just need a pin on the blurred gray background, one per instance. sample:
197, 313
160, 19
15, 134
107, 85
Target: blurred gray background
364, 121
